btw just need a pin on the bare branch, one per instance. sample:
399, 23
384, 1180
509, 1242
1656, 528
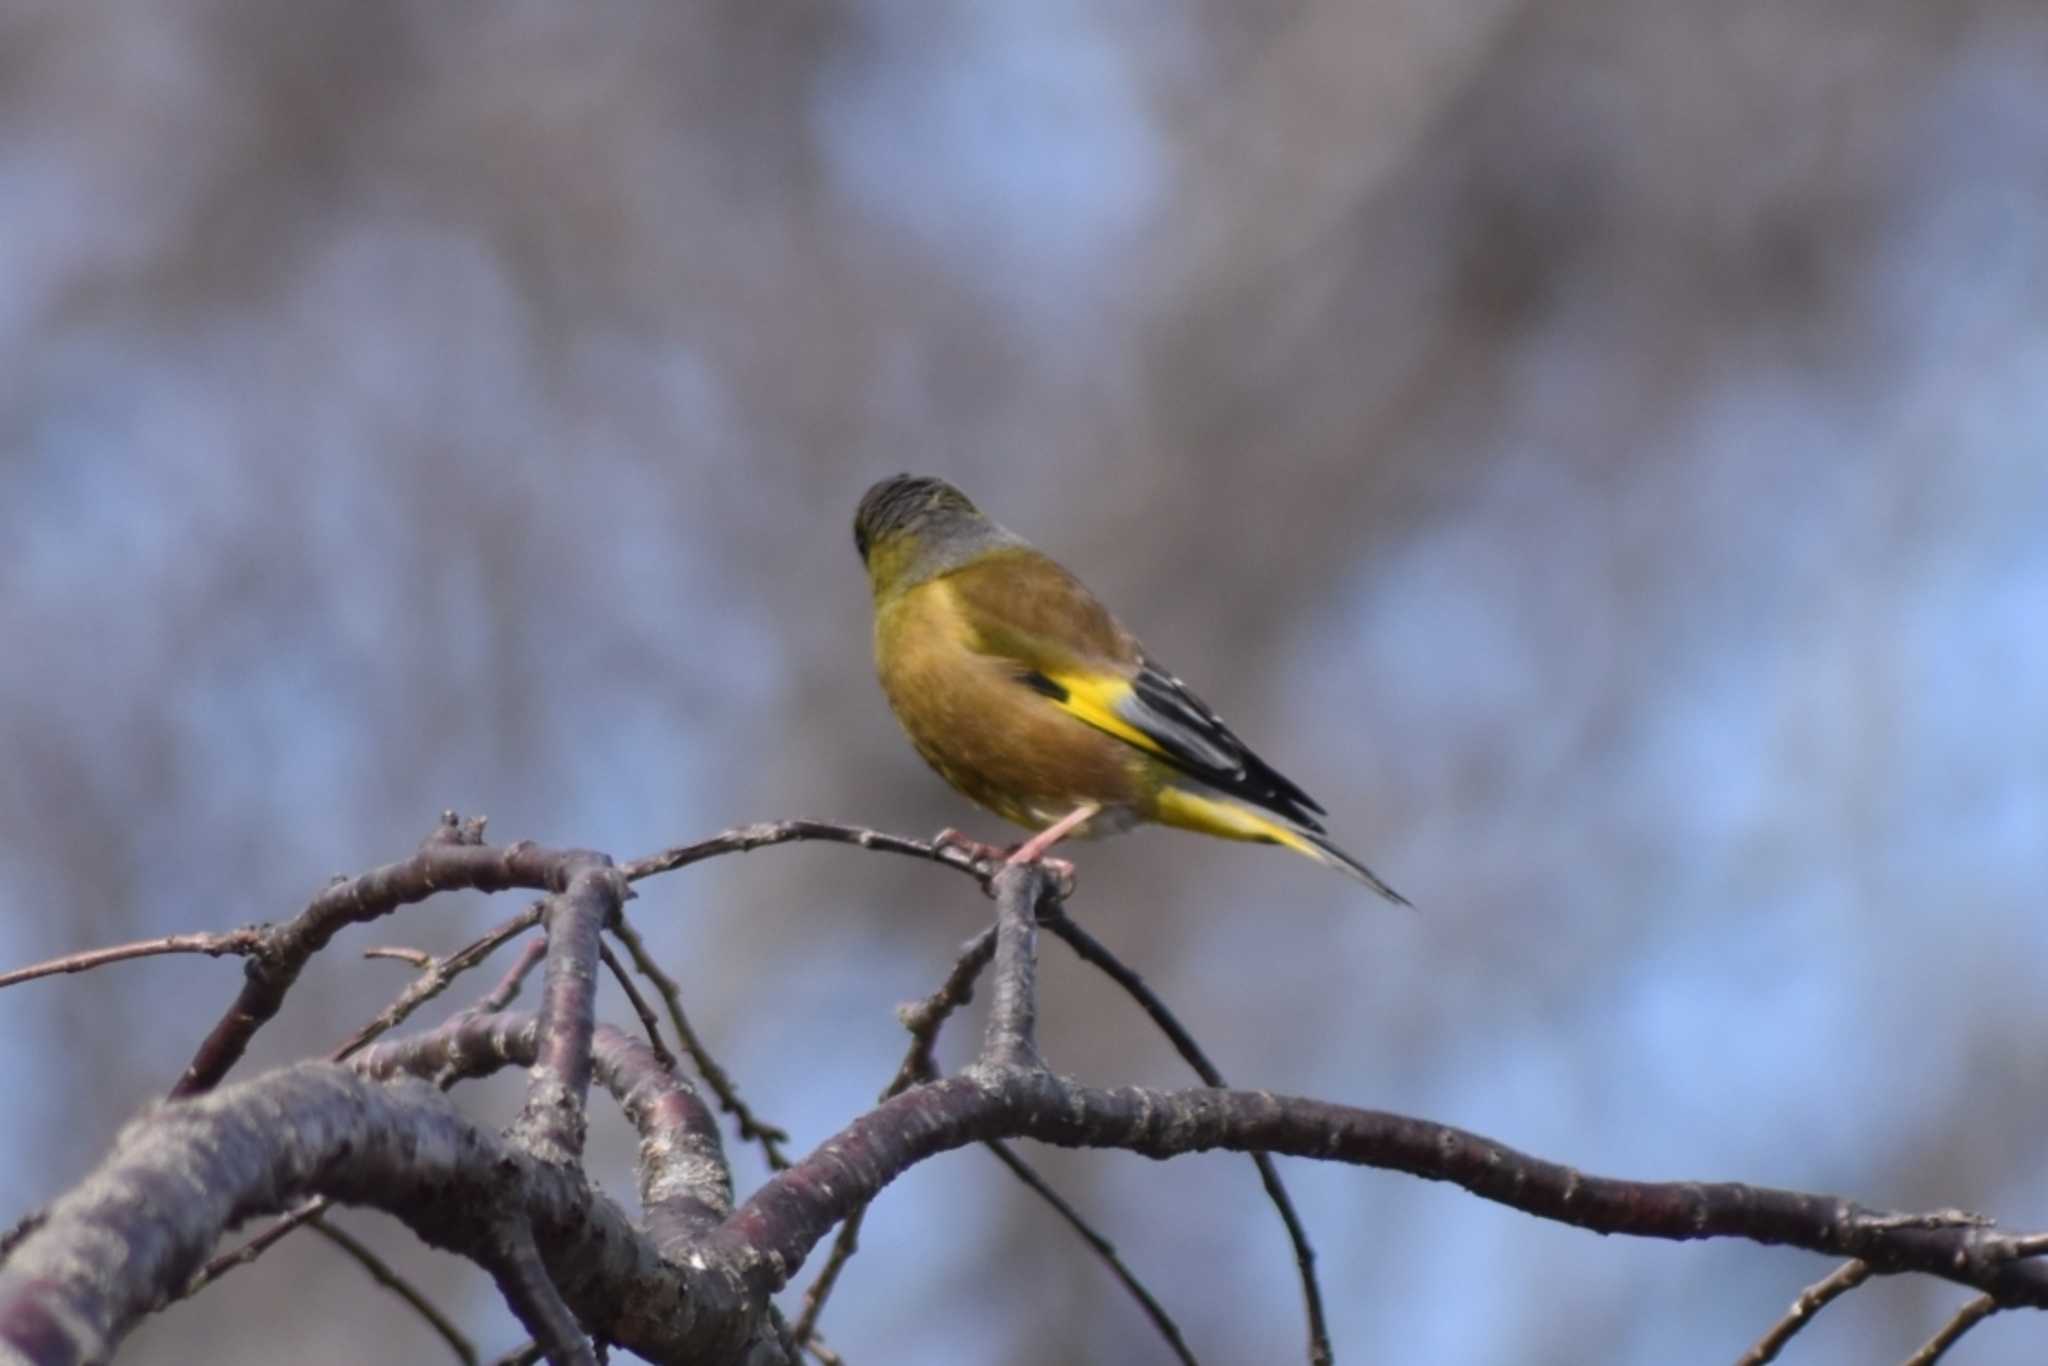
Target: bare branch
693, 1281
256, 1246
552, 1122
419, 958
923, 1019
685, 1184
103, 1258
648, 1023
1106, 1250
423, 989
439, 975
1012, 1039
383, 1274
453, 857
792, 1211
744, 838
1811, 1301
468, 1046
1966, 1318
514, 1262
751, 1126
508, 986
1092, 951
246, 940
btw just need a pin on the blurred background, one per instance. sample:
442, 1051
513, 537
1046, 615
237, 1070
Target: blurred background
1597, 448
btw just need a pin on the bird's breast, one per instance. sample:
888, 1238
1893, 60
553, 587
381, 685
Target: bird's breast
995, 739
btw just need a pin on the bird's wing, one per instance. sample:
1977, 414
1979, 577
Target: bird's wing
1027, 610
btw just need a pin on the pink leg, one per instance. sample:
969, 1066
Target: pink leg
1031, 850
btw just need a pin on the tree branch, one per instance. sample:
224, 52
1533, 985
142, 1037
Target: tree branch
649, 1025
762, 834
1811, 1301
514, 1263
692, 1282
1012, 1039
552, 1122
382, 1273
1162, 1321
437, 977
787, 1216
923, 1019
214, 944
1093, 952
104, 1257
1966, 1318
453, 857
751, 1126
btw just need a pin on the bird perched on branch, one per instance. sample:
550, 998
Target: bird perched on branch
1022, 690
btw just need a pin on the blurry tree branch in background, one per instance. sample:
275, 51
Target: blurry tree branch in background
693, 1276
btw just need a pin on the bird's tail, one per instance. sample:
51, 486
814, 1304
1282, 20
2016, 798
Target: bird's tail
1319, 848
1192, 810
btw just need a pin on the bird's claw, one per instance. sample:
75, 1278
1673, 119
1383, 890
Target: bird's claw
1060, 870
975, 850
989, 859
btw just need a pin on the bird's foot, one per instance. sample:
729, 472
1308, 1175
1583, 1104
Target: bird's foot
1060, 870
1034, 849
985, 856
986, 860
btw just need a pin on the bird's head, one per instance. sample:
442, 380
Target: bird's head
911, 526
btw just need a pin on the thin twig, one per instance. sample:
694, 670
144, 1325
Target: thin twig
423, 989
743, 838
1104, 1249
1021, 893
752, 1128
436, 979
419, 958
1811, 1301
923, 1019
640, 1006
1968, 1317
507, 989
1094, 952
453, 856
844, 1245
242, 942
380, 1271
256, 1246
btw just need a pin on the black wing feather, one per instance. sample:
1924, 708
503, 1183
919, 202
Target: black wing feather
1199, 744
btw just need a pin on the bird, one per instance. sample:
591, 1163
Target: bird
1027, 695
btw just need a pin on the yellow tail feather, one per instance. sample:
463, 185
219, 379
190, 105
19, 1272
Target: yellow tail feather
1189, 810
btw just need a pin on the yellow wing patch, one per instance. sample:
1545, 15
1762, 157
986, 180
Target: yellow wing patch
1095, 698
